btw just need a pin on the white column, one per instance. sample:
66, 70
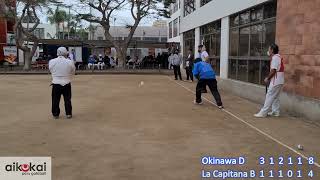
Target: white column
183, 73
224, 53
196, 40
181, 8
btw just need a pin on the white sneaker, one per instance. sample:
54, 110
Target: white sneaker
195, 102
259, 115
274, 114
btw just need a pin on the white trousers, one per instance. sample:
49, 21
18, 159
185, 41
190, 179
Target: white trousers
100, 65
272, 100
90, 65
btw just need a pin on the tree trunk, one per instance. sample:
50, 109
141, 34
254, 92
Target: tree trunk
121, 55
63, 30
29, 55
27, 60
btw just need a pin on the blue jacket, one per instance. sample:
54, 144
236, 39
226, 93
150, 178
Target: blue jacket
91, 60
203, 70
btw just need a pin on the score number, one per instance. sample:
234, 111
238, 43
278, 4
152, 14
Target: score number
282, 161
281, 174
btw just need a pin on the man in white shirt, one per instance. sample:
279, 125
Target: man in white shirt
61, 69
276, 81
204, 54
176, 62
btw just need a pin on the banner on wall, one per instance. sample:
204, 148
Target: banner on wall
10, 53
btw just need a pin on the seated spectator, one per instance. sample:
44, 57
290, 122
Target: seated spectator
100, 63
106, 61
91, 62
112, 62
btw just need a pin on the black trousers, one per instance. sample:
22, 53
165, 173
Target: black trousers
189, 73
57, 91
177, 72
212, 83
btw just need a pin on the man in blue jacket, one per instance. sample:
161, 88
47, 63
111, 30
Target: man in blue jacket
206, 75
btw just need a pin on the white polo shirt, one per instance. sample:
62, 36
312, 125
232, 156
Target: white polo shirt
61, 70
204, 55
278, 78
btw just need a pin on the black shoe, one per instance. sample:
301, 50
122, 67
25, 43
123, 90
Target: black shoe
55, 117
197, 103
69, 116
176, 79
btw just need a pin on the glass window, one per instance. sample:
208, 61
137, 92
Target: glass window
164, 39
218, 44
215, 63
254, 71
189, 41
234, 42
244, 41
232, 68
136, 38
257, 14
213, 45
242, 74
210, 35
39, 33
154, 39
251, 33
175, 28
269, 36
256, 40
189, 7
234, 20
203, 2
175, 6
270, 10
170, 30
265, 68
245, 17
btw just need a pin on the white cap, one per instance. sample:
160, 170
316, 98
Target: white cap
62, 51
100, 54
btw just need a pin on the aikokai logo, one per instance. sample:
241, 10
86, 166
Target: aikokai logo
27, 168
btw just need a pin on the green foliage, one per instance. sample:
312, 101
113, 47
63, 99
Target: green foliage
57, 16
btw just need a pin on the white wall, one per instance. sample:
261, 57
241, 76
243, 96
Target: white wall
171, 19
214, 10
49, 29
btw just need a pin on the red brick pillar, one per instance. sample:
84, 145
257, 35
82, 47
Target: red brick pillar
3, 36
298, 36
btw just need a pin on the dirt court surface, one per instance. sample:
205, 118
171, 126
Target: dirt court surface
121, 131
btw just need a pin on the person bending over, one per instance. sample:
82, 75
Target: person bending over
206, 75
